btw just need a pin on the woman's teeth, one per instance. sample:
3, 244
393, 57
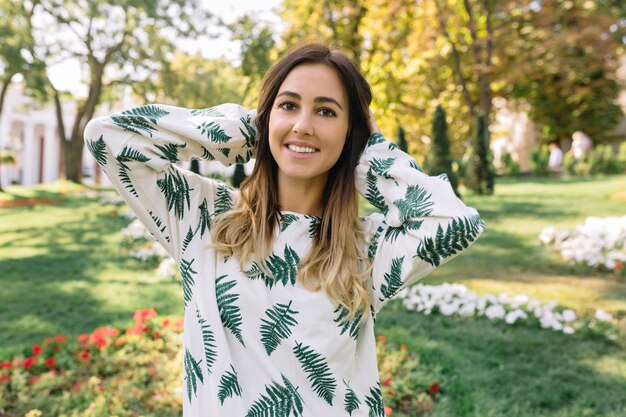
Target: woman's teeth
301, 149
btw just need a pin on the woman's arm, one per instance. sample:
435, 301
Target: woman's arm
423, 223
137, 150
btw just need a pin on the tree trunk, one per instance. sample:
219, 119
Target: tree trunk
74, 159
5, 87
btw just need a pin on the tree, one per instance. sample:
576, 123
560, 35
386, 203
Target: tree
563, 63
239, 175
480, 177
401, 140
120, 42
7, 158
440, 159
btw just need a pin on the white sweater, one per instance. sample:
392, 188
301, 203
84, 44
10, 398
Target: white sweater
259, 345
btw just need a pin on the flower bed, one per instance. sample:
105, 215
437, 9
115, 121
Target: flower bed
458, 300
600, 243
104, 373
139, 372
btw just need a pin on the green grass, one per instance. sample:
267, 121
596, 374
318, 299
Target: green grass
61, 271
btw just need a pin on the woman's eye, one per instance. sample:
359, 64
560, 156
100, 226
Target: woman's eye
327, 112
287, 105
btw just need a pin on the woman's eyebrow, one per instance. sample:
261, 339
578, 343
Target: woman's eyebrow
321, 99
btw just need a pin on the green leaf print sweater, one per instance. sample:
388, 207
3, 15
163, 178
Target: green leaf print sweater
257, 344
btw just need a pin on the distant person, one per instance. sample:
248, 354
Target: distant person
581, 145
555, 162
283, 278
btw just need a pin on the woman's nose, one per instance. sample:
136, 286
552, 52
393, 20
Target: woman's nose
303, 125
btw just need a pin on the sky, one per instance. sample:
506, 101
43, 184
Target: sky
64, 75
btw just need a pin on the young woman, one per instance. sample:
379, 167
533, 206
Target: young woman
282, 280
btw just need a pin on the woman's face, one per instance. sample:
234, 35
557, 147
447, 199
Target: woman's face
308, 123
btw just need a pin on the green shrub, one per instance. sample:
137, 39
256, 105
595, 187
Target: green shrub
539, 158
440, 158
510, 168
218, 176
569, 164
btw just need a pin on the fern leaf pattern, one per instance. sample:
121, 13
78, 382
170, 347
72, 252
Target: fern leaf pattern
208, 339
169, 151
375, 139
314, 225
192, 373
214, 132
228, 386
351, 401
286, 220
139, 119
125, 179
187, 279
375, 402
392, 233
223, 200
277, 326
278, 401
416, 203
230, 313
98, 149
345, 324
129, 154
317, 370
393, 279
176, 190
373, 195
459, 234
381, 166
283, 270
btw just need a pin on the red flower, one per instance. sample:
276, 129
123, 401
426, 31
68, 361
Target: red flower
137, 329
382, 338
166, 322
144, 315
391, 393
61, 338
54, 371
83, 338
50, 362
36, 349
103, 332
156, 334
34, 379
48, 340
5, 378
618, 265
6, 365
388, 411
434, 388
76, 386
28, 362
404, 347
84, 356
101, 342
387, 382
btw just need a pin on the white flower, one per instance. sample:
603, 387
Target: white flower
602, 315
568, 330
568, 316
167, 268
495, 311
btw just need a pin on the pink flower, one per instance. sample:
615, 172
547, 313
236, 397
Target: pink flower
50, 362
382, 338
34, 379
6, 365
36, 349
144, 315
388, 411
387, 382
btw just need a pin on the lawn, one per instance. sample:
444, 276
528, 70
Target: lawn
62, 271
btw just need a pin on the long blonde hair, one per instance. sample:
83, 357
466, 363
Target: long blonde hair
336, 261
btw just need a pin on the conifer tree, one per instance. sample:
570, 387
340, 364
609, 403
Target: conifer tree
401, 140
239, 175
479, 177
440, 158
195, 166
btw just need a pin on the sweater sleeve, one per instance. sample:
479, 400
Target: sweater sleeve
138, 148
423, 223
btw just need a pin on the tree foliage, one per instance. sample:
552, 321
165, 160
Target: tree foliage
440, 158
